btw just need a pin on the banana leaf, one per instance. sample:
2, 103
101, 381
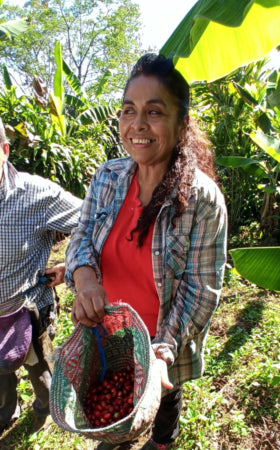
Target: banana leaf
268, 144
259, 265
218, 36
13, 28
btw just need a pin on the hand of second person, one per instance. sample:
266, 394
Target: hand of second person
162, 367
88, 307
55, 275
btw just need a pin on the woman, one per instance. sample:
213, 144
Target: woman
153, 233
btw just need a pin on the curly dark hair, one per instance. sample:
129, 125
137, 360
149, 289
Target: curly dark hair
193, 148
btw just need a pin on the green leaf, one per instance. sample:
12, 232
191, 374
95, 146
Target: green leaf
79, 104
218, 36
274, 96
58, 119
258, 265
103, 82
7, 79
58, 76
251, 166
268, 144
73, 81
96, 114
235, 161
264, 123
26, 396
57, 98
13, 28
244, 94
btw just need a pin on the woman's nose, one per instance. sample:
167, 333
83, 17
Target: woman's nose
140, 121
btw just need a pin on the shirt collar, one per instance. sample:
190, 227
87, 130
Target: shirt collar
10, 180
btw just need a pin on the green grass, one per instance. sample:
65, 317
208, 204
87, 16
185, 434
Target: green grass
234, 406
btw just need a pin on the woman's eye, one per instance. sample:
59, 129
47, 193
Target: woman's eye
127, 111
154, 112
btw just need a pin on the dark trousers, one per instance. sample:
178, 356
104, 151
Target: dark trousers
166, 425
40, 378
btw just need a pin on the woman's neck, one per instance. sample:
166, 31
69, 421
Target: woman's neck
148, 180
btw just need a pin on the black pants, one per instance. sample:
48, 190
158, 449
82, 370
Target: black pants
166, 425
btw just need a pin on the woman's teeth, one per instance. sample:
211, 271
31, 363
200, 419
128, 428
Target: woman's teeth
142, 141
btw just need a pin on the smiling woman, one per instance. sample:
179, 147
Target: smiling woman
153, 233
149, 129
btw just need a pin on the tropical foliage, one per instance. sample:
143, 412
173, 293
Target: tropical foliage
241, 115
64, 137
98, 38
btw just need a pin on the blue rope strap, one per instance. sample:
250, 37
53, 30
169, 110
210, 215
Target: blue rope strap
98, 335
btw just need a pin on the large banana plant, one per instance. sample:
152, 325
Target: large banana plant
261, 265
81, 108
265, 165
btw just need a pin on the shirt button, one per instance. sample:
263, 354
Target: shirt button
156, 252
159, 284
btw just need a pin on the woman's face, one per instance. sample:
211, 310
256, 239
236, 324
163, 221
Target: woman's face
149, 122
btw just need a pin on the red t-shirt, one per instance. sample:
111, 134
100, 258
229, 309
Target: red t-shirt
126, 269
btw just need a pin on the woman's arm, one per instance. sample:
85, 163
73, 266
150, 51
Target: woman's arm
88, 306
82, 270
200, 287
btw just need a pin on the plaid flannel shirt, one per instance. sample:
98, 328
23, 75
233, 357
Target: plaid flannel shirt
188, 260
31, 208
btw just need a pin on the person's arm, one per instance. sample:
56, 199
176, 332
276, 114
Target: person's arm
82, 270
199, 290
63, 209
55, 275
88, 306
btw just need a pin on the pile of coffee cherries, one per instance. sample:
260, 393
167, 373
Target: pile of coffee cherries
110, 400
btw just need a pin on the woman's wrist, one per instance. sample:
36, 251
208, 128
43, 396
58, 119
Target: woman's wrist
84, 276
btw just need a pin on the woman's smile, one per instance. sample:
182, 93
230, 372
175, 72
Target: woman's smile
142, 141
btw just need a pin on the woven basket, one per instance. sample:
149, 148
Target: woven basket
125, 341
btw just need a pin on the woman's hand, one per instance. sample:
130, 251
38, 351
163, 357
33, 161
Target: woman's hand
162, 367
88, 306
